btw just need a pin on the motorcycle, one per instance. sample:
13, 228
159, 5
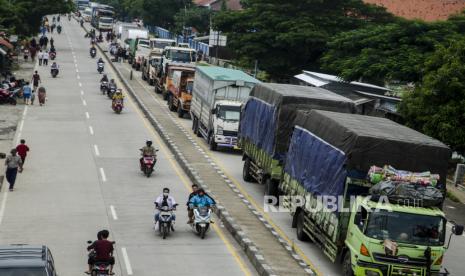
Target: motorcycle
93, 52
166, 220
148, 162
110, 91
104, 87
59, 29
54, 72
202, 220
99, 268
7, 96
100, 67
52, 55
117, 106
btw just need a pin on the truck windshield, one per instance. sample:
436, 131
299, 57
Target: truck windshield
229, 113
144, 43
182, 56
406, 228
20, 271
160, 45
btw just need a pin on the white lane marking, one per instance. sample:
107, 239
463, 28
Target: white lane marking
25, 111
80, 84
78, 77
97, 152
77, 71
126, 261
21, 124
102, 174
91, 130
84, 102
82, 92
113, 212
2, 208
87, 115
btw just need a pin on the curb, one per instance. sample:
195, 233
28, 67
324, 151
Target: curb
253, 253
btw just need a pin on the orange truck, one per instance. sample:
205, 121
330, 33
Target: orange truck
179, 85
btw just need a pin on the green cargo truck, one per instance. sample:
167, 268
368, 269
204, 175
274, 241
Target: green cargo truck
265, 126
326, 188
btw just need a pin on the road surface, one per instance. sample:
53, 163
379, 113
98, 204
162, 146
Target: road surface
82, 175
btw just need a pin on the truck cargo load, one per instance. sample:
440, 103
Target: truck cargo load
266, 117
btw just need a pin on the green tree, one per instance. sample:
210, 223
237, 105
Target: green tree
288, 36
437, 106
194, 16
162, 12
395, 51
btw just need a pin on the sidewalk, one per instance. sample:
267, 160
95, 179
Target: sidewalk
10, 114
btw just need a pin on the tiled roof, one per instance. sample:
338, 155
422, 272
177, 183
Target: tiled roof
428, 10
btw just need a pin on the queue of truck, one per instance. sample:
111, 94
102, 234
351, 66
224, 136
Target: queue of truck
308, 146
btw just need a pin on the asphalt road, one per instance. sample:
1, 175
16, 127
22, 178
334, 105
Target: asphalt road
82, 175
231, 163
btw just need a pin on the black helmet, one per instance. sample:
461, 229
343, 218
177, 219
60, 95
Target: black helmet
148, 143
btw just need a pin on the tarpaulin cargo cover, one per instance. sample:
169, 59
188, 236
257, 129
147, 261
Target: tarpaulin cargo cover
267, 117
364, 141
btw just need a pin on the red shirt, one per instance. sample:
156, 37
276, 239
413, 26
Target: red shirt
22, 150
103, 249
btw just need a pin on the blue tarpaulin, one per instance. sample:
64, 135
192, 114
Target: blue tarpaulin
315, 164
258, 124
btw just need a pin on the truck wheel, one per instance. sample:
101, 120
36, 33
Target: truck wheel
246, 171
151, 83
347, 265
180, 111
165, 95
171, 104
157, 90
143, 77
211, 142
271, 189
195, 125
300, 227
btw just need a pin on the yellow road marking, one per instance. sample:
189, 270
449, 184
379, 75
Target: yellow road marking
186, 182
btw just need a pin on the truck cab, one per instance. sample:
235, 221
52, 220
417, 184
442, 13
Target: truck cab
105, 23
178, 54
392, 239
225, 122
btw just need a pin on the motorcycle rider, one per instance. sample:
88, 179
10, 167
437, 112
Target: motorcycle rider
100, 62
103, 251
201, 199
190, 211
54, 67
165, 200
118, 96
147, 151
104, 78
112, 85
92, 49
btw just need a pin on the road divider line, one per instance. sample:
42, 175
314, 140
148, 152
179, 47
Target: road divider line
78, 77
80, 84
3, 206
91, 130
87, 115
113, 212
97, 152
126, 261
77, 71
82, 93
102, 174
21, 124
84, 102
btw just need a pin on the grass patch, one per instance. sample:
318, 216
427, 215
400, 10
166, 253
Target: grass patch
450, 195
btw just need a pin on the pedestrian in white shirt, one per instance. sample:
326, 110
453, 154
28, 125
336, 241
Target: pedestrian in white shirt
45, 62
40, 55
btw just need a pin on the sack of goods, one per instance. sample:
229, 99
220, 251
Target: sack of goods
408, 193
378, 174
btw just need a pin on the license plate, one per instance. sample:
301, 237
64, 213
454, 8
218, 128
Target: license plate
202, 224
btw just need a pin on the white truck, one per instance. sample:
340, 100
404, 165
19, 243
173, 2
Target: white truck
105, 23
217, 98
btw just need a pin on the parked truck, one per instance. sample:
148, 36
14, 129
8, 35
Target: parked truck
330, 156
138, 47
266, 126
149, 66
216, 104
180, 90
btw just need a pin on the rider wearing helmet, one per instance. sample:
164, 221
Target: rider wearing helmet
117, 96
147, 151
104, 78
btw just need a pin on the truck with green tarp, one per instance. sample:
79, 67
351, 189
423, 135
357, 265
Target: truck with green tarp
265, 126
328, 183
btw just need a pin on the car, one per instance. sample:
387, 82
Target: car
26, 260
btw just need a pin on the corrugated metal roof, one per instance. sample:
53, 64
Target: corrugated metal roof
311, 80
226, 74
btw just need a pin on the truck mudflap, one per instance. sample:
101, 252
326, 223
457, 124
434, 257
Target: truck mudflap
385, 269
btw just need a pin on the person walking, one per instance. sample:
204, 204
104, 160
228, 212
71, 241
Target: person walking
45, 61
42, 95
27, 91
52, 43
45, 42
22, 150
13, 165
35, 80
41, 57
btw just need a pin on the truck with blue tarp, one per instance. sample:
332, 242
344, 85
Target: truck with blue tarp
216, 104
331, 156
265, 126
